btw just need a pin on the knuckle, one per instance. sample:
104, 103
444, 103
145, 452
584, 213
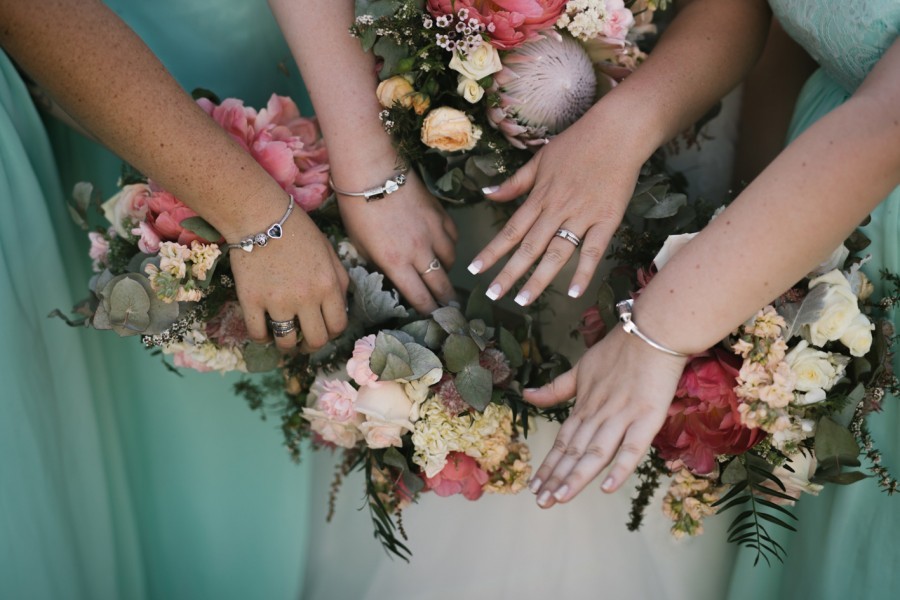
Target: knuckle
572, 451
510, 233
631, 449
559, 446
595, 450
554, 256
528, 249
593, 252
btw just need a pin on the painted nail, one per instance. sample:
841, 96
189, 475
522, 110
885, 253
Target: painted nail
607, 484
543, 498
575, 291
531, 390
494, 291
523, 297
454, 304
561, 492
489, 189
475, 267
535, 485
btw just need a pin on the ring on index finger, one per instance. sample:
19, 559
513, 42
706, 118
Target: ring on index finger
568, 235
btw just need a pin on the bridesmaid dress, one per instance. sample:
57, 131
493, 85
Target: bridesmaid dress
848, 543
213, 506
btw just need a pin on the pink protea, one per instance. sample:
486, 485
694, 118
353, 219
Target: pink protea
544, 87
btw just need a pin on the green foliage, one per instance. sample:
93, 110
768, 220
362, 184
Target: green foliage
649, 473
371, 304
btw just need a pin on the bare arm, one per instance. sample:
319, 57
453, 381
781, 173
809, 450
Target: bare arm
798, 210
583, 179
108, 80
403, 232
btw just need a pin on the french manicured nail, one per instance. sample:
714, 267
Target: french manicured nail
544, 498
454, 304
523, 297
561, 492
608, 484
575, 291
530, 390
535, 485
489, 189
494, 291
475, 267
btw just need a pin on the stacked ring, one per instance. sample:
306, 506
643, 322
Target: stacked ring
569, 236
283, 328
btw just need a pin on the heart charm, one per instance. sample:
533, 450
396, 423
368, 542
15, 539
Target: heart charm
247, 245
274, 231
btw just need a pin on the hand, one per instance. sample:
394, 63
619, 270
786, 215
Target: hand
298, 275
403, 234
579, 182
623, 389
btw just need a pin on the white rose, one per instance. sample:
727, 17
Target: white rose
803, 464
481, 62
813, 368
858, 335
387, 409
840, 309
671, 246
469, 89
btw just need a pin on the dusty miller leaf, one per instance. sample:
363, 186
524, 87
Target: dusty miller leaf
371, 303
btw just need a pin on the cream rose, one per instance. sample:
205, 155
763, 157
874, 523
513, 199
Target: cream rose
393, 90
814, 370
483, 61
450, 130
841, 308
670, 247
387, 409
797, 481
127, 208
469, 89
858, 335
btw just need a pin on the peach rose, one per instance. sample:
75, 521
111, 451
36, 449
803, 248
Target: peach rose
450, 130
396, 89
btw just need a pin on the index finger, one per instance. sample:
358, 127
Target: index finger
509, 237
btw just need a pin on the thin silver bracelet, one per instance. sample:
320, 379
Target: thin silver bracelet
625, 308
275, 231
387, 188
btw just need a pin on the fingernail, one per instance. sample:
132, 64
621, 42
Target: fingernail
494, 291
475, 267
607, 484
530, 390
489, 189
543, 498
561, 492
523, 297
535, 485
454, 304
575, 291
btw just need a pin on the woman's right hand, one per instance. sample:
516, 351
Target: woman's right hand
296, 276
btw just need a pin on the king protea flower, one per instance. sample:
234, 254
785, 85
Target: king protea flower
544, 87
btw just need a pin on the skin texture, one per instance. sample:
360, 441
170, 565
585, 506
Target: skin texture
800, 208
102, 75
405, 231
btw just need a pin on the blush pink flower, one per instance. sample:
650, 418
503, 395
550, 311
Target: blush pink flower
165, 214
99, 251
509, 22
703, 420
148, 238
358, 365
461, 475
591, 327
232, 116
227, 327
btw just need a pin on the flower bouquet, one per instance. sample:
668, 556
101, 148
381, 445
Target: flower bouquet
776, 409
470, 88
161, 273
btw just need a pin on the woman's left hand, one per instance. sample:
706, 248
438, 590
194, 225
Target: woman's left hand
622, 389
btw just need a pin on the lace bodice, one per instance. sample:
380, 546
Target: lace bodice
846, 37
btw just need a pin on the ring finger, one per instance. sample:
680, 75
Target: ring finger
284, 330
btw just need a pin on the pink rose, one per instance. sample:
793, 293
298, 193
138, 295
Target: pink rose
703, 420
592, 327
619, 20
99, 251
276, 157
227, 327
461, 475
127, 208
336, 399
358, 365
333, 416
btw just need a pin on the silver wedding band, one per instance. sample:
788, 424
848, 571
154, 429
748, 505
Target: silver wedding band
568, 236
434, 265
283, 328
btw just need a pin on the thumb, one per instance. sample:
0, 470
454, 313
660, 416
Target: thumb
559, 390
517, 185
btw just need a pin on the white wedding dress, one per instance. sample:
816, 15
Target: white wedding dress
505, 547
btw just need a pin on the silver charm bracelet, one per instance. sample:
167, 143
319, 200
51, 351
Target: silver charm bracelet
387, 188
274, 232
625, 308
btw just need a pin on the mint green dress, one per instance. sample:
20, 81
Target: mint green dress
848, 544
119, 479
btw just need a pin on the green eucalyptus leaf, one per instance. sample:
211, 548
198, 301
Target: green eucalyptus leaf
412, 482
129, 305
422, 361
511, 347
377, 8
474, 384
395, 368
451, 182
667, 207
393, 458
261, 357
451, 320
734, 473
387, 346
417, 330
391, 53
82, 196
835, 444
201, 227
846, 478
478, 306
459, 351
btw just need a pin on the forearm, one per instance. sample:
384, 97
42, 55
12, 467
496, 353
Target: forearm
785, 223
108, 80
704, 53
341, 79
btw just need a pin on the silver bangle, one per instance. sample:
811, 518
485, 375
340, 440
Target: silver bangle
275, 231
625, 308
387, 188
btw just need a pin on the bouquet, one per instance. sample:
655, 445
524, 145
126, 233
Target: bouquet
776, 409
160, 271
470, 88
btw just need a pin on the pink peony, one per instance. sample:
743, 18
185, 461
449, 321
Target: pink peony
232, 116
509, 22
227, 327
358, 365
592, 327
461, 475
703, 420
